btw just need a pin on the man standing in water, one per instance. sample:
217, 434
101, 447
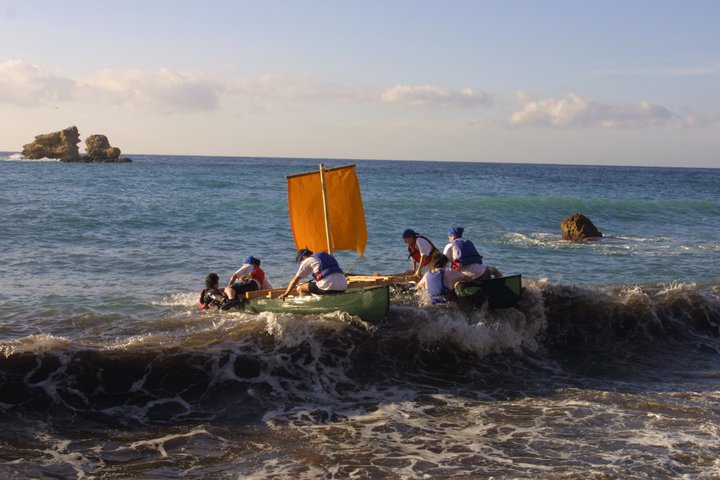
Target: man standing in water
327, 275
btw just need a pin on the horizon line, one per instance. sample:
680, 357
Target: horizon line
360, 159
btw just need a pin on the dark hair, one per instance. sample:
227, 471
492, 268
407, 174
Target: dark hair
439, 262
211, 280
302, 253
409, 233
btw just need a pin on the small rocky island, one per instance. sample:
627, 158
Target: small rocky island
578, 227
63, 146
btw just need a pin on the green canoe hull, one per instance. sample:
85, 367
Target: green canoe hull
371, 304
501, 292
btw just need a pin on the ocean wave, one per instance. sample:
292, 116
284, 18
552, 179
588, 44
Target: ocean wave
626, 208
176, 369
644, 246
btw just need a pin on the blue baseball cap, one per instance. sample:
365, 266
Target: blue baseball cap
409, 234
456, 232
251, 260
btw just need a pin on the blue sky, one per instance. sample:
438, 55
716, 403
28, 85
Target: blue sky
596, 82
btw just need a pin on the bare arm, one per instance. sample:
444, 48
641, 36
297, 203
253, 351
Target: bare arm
237, 275
418, 269
290, 287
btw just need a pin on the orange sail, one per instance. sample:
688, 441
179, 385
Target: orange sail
326, 214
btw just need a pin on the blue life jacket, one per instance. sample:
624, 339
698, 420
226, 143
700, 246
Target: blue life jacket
436, 286
468, 253
328, 265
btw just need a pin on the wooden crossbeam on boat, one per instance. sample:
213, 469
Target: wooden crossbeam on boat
369, 280
274, 293
354, 281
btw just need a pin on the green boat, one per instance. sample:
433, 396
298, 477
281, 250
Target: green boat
371, 304
500, 292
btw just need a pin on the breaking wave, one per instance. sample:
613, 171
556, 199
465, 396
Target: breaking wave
189, 368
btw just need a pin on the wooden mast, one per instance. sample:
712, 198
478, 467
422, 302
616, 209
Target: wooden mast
328, 236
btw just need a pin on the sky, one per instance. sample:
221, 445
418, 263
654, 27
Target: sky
601, 82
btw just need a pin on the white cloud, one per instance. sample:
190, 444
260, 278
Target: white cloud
164, 90
573, 111
25, 84
170, 91
423, 95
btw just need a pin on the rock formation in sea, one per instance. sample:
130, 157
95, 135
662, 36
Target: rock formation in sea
63, 146
578, 227
99, 150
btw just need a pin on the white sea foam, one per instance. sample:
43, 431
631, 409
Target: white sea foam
181, 299
482, 331
34, 343
18, 157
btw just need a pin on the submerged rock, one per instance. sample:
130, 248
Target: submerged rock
61, 145
578, 227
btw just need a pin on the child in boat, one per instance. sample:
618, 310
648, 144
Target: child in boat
466, 259
439, 282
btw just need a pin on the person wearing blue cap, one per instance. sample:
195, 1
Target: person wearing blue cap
465, 257
327, 275
248, 278
420, 249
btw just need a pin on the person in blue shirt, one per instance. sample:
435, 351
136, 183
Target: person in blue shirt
438, 283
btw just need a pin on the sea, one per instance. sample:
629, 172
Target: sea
609, 366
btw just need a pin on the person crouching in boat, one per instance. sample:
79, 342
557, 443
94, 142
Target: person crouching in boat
248, 278
439, 282
327, 275
420, 249
211, 296
466, 259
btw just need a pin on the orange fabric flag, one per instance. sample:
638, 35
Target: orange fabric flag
345, 210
